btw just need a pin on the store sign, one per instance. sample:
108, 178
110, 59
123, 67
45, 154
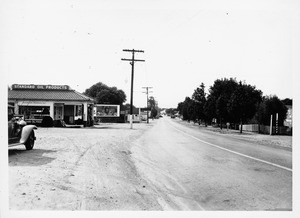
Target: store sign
22, 103
40, 87
105, 110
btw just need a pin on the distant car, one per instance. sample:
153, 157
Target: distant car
173, 116
18, 132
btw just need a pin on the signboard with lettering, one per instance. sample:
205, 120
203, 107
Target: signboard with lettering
106, 110
39, 87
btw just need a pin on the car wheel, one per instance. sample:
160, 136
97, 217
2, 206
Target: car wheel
30, 141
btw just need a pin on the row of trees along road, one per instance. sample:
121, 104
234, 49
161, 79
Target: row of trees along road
233, 102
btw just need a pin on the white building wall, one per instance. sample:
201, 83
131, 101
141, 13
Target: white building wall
52, 110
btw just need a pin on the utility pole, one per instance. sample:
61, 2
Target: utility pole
132, 60
147, 92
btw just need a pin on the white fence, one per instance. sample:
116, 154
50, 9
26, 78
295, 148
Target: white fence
282, 130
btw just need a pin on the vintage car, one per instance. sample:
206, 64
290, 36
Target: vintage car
18, 132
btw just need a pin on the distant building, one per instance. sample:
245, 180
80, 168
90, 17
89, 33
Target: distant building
59, 102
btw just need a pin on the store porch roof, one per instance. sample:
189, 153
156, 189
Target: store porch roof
47, 95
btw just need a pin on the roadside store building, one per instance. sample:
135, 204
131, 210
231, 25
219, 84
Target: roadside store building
59, 102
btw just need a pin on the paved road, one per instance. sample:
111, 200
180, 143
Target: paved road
200, 170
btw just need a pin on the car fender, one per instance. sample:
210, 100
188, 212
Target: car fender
26, 132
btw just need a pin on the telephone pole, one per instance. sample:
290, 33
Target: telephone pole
147, 92
132, 60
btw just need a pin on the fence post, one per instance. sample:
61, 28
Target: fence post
271, 124
276, 129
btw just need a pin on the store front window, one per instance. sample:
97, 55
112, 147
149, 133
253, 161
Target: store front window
34, 113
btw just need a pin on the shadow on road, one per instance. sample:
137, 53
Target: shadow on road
35, 157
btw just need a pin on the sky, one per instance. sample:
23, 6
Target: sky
79, 43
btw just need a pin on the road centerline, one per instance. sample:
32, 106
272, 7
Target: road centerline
234, 152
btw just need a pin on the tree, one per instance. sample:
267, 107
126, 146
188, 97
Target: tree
104, 94
186, 109
179, 108
209, 110
151, 101
199, 94
192, 110
154, 112
287, 101
199, 98
243, 103
219, 96
271, 105
221, 109
126, 107
153, 106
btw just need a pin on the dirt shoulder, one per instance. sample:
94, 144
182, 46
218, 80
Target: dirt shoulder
79, 169
280, 141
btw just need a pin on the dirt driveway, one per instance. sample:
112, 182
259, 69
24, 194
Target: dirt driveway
79, 169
